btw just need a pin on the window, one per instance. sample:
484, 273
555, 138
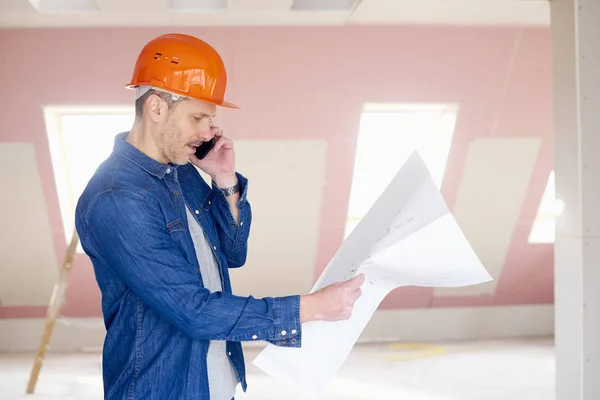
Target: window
80, 138
388, 134
543, 229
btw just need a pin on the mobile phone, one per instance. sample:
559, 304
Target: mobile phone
204, 149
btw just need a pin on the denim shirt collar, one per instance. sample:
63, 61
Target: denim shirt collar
131, 153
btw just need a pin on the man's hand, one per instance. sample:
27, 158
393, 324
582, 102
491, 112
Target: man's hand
331, 303
219, 163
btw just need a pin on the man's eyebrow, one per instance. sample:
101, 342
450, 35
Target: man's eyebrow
202, 115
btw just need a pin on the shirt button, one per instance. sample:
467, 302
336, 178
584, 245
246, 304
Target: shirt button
168, 170
294, 331
241, 223
197, 212
176, 193
209, 202
215, 248
229, 353
283, 333
254, 337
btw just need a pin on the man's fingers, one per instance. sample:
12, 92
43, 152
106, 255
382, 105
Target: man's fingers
217, 132
357, 281
222, 141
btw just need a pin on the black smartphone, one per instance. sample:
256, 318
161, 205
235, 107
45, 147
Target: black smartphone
204, 149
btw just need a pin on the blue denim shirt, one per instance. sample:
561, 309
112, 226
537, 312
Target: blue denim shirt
159, 318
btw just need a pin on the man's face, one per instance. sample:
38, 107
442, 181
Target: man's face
184, 128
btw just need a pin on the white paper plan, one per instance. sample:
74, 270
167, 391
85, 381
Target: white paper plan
408, 238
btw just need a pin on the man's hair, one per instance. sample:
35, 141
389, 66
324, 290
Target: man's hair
139, 103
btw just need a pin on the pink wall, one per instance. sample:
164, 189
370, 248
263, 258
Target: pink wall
309, 83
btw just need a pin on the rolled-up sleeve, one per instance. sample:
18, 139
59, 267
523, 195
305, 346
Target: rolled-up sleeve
129, 235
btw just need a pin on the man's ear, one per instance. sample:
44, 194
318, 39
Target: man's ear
156, 108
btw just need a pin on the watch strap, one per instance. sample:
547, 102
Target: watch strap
231, 190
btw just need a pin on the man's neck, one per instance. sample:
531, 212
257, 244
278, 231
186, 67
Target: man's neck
140, 137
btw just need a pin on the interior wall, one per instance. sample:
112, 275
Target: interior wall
308, 85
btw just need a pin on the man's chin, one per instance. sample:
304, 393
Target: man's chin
182, 160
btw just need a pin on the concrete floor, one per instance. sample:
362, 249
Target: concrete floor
491, 370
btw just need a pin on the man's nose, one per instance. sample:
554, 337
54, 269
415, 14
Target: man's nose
206, 130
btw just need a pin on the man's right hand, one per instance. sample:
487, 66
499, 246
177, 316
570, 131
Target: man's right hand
331, 303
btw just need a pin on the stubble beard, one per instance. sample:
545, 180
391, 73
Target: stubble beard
172, 144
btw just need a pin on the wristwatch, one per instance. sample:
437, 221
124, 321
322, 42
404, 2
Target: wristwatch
231, 190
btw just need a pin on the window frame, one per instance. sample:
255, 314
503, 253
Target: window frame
61, 170
395, 107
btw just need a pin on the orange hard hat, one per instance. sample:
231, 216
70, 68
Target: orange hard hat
183, 65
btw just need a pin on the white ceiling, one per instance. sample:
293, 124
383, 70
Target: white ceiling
26, 13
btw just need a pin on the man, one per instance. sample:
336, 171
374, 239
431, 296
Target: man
161, 241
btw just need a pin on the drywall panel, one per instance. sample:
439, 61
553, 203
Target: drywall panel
286, 181
69, 334
496, 176
28, 269
461, 323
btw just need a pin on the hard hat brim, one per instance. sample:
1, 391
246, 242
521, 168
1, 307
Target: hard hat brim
227, 104
224, 104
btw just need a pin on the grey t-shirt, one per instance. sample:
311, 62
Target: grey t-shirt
222, 378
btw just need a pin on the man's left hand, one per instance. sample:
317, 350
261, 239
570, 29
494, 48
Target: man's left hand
219, 163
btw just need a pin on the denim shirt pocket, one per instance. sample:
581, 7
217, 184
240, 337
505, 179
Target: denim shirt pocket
182, 239
175, 225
